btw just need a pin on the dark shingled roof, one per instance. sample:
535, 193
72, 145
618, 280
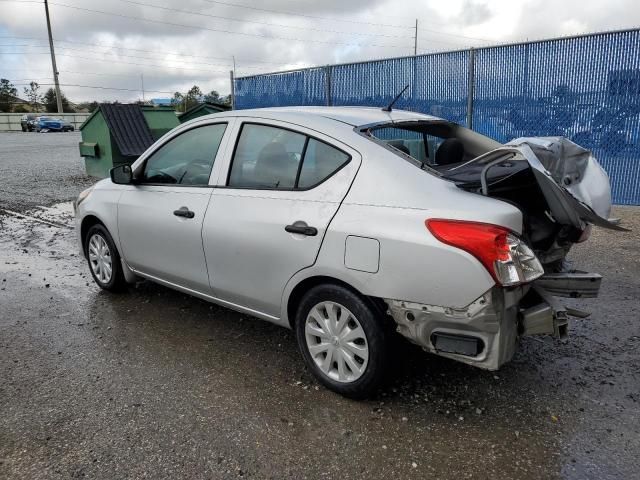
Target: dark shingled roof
128, 128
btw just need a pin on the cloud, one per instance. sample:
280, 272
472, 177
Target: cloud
173, 57
474, 12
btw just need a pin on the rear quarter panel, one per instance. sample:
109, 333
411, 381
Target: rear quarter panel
390, 200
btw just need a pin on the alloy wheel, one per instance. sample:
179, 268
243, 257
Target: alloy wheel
100, 258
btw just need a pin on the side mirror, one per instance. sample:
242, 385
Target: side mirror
121, 175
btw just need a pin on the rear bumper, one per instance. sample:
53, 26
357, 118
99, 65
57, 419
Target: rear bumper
483, 334
486, 333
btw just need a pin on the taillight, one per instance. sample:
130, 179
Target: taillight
508, 260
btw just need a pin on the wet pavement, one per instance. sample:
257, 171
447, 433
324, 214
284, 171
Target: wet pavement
155, 384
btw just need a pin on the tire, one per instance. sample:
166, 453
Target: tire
100, 251
352, 332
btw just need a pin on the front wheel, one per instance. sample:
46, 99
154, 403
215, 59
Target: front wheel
103, 259
343, 340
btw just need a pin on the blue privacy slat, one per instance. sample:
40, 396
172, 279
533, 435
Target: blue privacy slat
586, 88
304, 87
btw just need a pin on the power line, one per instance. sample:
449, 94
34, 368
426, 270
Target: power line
114, 61
118, 54
333, 19
317, 17
408, 27
142, 50
70, 72
437, 32
306, 28
161, 22
95, 87
99, 74
278, 12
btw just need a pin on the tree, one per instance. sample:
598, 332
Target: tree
87, 106
189, 100
51, 102
213, 97
193, 97
7, 92
33, 95
177, 100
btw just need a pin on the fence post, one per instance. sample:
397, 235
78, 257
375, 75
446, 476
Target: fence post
472, 87
232, 93
327, 85
414, 79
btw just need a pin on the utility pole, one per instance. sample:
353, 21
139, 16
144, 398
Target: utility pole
53, 59
415, 40
142, 85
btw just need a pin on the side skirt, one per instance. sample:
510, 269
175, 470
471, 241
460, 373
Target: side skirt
212, 299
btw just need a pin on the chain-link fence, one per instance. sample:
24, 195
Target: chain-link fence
586, 88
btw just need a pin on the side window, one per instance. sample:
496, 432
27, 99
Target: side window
186, 159
320, 161
266, 157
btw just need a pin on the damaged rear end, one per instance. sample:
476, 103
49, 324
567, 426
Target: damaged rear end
562, 192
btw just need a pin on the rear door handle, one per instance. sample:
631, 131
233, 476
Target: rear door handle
184, 212
302, 229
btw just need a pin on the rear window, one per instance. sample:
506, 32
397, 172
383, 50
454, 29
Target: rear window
419, 145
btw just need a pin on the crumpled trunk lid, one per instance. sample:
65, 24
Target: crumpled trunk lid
574, 185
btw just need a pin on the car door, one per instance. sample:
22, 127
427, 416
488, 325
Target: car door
160, 217
267, 219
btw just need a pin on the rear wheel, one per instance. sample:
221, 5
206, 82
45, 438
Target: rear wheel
103, 259
343, 340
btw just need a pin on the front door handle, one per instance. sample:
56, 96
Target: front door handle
302, 228
184, 212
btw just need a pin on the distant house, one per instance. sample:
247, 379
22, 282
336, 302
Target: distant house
201, 109
162, 102
17, 104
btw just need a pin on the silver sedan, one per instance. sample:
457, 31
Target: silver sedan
353, 225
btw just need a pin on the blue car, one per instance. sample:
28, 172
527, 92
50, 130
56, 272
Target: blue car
50, 124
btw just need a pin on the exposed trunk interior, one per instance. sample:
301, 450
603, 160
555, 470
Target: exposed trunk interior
558, 186
515, 182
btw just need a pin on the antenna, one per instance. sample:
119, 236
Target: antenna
388, 107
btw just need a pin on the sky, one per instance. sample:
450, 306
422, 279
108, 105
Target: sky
110, 49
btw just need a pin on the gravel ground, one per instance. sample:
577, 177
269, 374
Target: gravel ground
40, 169
155, 384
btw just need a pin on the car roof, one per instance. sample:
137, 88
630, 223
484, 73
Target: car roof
354, 116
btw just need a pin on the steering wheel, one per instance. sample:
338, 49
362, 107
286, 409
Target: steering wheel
160, 177
192, 169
